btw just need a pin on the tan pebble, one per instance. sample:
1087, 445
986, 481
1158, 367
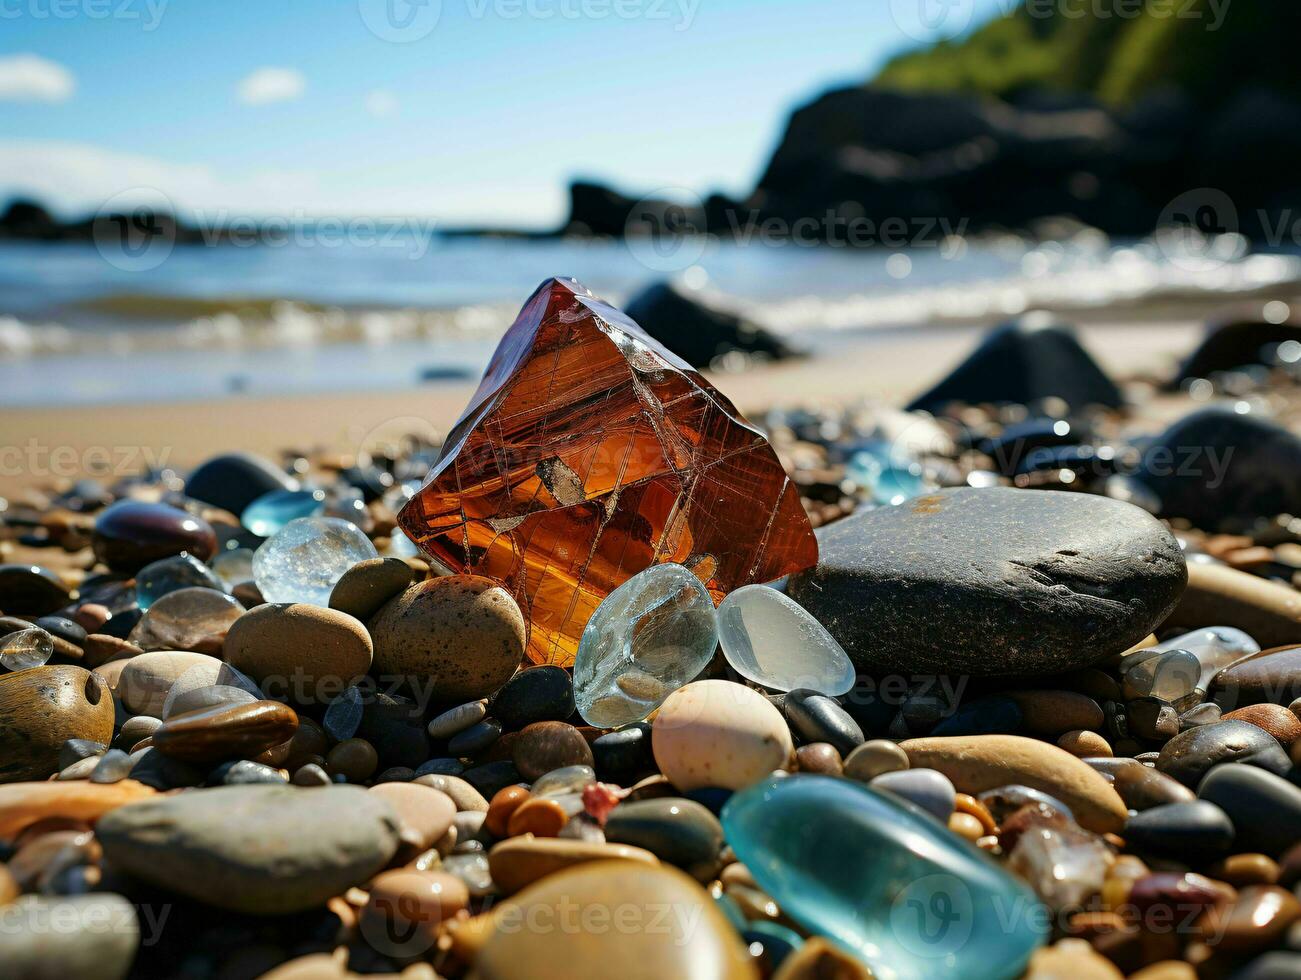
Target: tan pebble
414, 900
503, 805
1166, 970
1085, 744
717, 733
9, 889
298, 651
355, 759
464, 633
23, 804
424, 814
465, 796
1241, 870
820, 959
978, 763
873, 758
539, 817
1087, 925
101, 650
520, 861
819, 757
1256, 920
145, 679
1071, 959
1057, 712
90, 616
1274, 718
965, 825
737, 873
367, 585
1266, 611
457, 719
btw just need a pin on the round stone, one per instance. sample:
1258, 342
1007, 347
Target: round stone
473, 740
543, 693
188, 619
260, 849
201, 698
1191, 754
541, 818
646, 639
1055, 712
158, 578
925, 788
1273, 676
695, 943
234, 480
40, 709
547, 745
1257, 919
769, 639
30, 590
457, 719
977, 763
623, 753
354, 759
367, 585
1264, 808
677, 831
520, 861
304, 560
96, 936
819, 757
818, 718
25, 649
1187, 831
873, 758
1274, 718
147, 679
1083, 744
412, 904
465, 796
463, 632
300, 652
1009, 582
225, 731
716, 733
131, 534
424, 813
500, 808
1268, 611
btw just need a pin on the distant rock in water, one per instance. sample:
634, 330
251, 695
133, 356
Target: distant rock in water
698, 330
992, 582
1237, 344
1022, 362
1215, 466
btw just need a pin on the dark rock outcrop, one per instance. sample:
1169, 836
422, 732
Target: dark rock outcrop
697, 329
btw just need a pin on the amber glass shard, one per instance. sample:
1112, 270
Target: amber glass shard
590, 452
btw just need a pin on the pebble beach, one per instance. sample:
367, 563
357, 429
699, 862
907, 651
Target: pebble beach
994, 673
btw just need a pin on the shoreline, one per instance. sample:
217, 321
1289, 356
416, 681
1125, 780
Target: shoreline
43, 445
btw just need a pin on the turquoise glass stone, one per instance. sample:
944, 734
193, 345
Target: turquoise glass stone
303, 560
272, 511
770, 639
181, 571
649, 637
887, 476
893, 887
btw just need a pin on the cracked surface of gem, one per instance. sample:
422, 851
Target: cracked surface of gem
589, 453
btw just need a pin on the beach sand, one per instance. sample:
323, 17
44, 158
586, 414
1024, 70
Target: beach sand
44, 445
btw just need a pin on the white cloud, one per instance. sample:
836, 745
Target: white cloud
381, 102
31, 78
271, 85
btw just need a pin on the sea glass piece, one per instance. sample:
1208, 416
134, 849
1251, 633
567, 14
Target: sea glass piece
896, 888
25, 649
303, 560
770, 639
1064, 865
1215, 648
187, 619
182, 571
234, 566
589, 453
1169, 676
272, 511
650, 636
887, 476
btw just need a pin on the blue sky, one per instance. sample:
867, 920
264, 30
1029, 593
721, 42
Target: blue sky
464, 110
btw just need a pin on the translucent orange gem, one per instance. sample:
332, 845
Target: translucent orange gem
590, 452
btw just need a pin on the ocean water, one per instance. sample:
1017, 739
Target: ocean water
84, 325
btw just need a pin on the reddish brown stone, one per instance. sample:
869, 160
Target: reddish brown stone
591, 452
226, 731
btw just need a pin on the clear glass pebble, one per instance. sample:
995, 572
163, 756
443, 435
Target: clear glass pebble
887, 476
181, 571
304, 559
234, 566
25, 649
558, 782
1169, 676
270, 512
1064, 865
1215, 648
650, 636
770, 639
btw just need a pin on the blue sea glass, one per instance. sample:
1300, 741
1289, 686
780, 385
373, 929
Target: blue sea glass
886, 475
897, 889
305, 558
770, 639
181, 571
272, 511
649, 637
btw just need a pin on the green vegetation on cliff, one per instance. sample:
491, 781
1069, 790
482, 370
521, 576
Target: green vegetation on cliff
1116, 50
